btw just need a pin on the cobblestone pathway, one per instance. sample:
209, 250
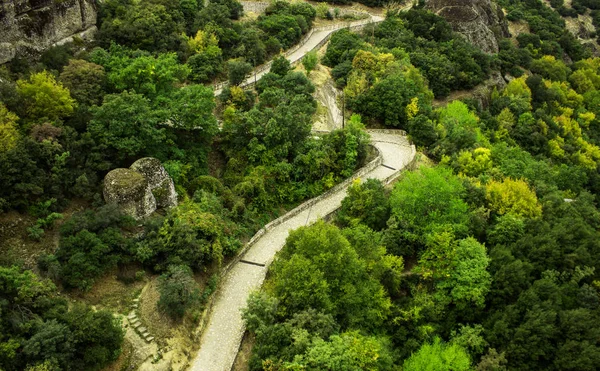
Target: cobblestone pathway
222, 336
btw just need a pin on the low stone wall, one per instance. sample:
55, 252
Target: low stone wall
353, 26
302, 207
255, 6
297, 210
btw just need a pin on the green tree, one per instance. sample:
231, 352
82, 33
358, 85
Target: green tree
45, 98
349, 351
365, 203
310, 61
513, 196
192, 234
237, 70
206, 64
54, 335
551, 68
85, 80
468, 282
428, 198
178, 291
458, 130
127, 125
343, 46
147, 26
280, 66
438, 356
9, 134
310, 274
140, 71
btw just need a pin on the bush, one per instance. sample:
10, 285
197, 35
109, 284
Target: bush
366, 203
178, 291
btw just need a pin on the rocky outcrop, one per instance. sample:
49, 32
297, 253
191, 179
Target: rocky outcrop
28, 27
481, 22
159, 182
140, 189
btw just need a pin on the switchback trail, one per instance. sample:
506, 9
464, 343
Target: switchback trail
316, 38
222, 335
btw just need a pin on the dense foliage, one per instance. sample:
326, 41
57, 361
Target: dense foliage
499, 240
40, 329
487, 260
419, 37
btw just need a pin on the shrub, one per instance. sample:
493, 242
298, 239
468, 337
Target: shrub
178, 291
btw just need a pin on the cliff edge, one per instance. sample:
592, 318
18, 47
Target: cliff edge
481, 22
28, 27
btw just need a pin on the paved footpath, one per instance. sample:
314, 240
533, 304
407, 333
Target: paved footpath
223, 333
308, 46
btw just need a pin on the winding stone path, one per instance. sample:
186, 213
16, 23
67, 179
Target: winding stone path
315, 39
222, 336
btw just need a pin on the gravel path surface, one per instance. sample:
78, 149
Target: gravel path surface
222, 336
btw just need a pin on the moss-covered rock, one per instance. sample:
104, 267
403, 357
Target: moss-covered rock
129, 189
141, 189
160, 183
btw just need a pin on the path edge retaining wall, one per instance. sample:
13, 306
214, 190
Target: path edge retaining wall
378, 160
300, 208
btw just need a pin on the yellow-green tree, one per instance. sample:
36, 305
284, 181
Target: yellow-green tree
45, 98
476, 162
9, 135
513, 196
519, 94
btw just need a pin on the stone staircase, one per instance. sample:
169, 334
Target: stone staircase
136, 323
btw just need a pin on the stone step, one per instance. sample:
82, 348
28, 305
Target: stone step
132, 316
136, 324
136, 300
149, 339
142, 329
134, 306
145, 334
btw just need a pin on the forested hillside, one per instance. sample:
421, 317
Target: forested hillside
483, 258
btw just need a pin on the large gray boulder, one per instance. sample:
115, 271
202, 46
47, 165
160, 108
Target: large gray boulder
481, 22
141, 189
129, 189
160, 183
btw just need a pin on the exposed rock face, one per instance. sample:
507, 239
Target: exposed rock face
28, 27
481, 22
140, 189
160, 183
